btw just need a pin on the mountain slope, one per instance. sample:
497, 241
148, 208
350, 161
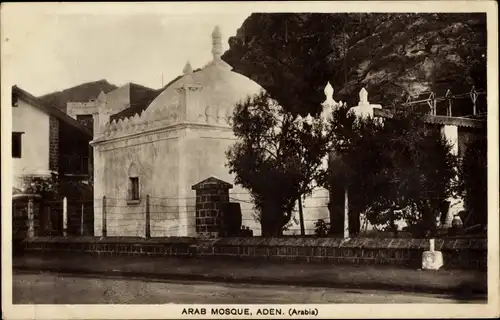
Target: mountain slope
81, 93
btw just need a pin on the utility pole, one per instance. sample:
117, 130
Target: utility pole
301, 218
346, 214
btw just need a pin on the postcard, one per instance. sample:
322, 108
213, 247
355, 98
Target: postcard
250, 160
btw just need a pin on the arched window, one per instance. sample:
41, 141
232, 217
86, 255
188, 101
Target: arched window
133, 183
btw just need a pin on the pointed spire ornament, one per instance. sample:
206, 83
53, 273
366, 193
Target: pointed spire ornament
187, 68
329, 102
101, 97
328, 91
216, 43
364, 108
363, 97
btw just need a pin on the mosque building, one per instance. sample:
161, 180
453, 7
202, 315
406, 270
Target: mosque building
164, 148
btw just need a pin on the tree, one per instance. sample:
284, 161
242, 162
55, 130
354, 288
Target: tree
359, 163
47, 188
424, 170
401, 168
392, 55
54, 188
276, 158
473, 182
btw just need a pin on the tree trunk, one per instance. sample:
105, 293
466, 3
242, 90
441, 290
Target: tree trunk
428, 219
271, 222
354, 223
272, 230
301, 216
394, 227
336, 209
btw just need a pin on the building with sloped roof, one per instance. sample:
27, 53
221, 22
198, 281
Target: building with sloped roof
121, 102
46, 141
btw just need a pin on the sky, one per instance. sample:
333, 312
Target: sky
49, 51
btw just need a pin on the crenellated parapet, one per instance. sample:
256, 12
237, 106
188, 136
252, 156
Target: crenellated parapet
146, 121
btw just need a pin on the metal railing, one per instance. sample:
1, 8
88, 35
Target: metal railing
476, 98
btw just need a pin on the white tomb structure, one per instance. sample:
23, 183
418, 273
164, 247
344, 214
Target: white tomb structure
365, 109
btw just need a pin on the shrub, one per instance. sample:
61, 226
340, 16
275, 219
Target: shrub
473, 183
321, 228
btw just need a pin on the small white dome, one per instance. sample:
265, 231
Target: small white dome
220, 90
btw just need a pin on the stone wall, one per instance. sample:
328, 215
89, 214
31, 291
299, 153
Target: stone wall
458, 253
53, 144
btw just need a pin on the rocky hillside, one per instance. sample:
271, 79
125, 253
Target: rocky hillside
293, 55
80, 93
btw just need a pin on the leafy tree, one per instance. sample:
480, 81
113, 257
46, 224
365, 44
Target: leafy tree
401, 168
321, 228
276, 158
392, 55
48, 188
473, 182
424, 170
54, 188
359, 164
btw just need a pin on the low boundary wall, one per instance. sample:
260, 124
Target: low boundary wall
458, 253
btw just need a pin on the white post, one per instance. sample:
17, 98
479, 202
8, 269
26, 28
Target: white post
81, 221
65, 216
346, 214
432, 259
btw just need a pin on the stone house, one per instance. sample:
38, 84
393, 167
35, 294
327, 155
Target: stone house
45, 140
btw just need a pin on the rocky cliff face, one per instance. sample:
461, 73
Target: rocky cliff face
393, 55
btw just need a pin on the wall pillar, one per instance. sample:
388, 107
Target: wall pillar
53, 144
450, 133
31, 218
98, 168
211, 194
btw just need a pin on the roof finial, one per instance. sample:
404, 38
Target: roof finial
216, 43
101, 97
187, 68
363, 97
328, 91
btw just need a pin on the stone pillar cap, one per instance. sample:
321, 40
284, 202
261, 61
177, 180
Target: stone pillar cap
212, 183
